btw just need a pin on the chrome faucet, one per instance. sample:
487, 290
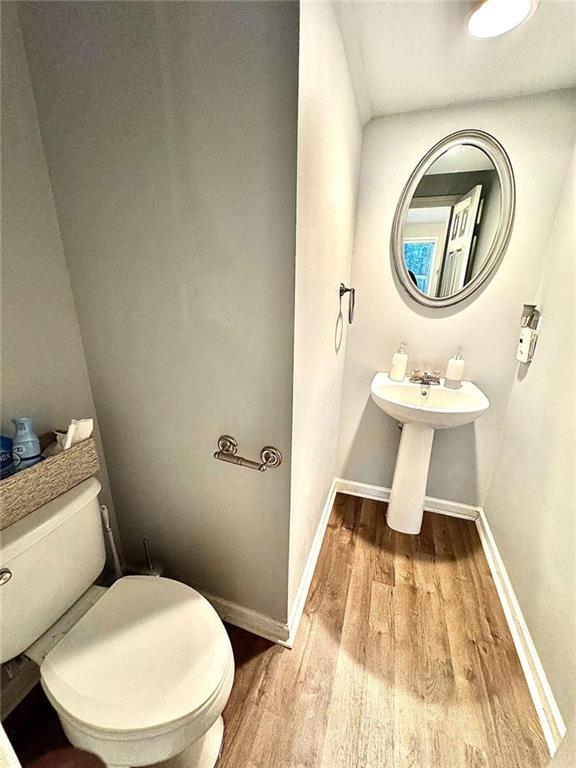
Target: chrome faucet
425, 377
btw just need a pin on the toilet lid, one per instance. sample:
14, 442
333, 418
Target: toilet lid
149, 652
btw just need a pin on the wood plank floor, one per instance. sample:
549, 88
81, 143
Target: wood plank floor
403, 659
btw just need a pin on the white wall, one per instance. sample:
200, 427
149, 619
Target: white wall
531, 504
329, 142
44, 373
538, 133
170, 135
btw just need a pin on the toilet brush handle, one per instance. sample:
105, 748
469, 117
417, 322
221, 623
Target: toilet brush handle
111, 543
148, 555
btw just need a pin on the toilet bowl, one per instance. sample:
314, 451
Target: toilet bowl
143, 676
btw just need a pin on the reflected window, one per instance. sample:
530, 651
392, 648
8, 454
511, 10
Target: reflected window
419, 256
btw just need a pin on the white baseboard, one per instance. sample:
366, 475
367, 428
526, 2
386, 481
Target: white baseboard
252, 621
431, 504
310, 567
366, 491
549, 715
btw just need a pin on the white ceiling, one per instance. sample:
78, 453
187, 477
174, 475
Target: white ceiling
407, 55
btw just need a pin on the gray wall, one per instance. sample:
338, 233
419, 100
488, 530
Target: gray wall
538, 133
531, 505
170, 136
44, 373
329, 143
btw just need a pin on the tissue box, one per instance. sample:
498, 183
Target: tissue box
29, 489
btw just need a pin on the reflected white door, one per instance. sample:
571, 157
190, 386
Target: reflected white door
461, 242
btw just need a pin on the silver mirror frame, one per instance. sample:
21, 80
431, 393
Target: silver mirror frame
503, 166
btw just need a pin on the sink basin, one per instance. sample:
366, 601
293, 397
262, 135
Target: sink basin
440, 408
421, 409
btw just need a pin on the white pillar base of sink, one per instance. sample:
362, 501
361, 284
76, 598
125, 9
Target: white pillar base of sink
406, 506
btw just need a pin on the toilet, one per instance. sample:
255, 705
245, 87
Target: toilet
138, 673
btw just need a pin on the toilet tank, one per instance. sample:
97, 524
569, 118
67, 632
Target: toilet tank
47, 560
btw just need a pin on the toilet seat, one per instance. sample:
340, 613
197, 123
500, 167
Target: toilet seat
148, 657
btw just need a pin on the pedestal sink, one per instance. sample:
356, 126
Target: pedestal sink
421, 408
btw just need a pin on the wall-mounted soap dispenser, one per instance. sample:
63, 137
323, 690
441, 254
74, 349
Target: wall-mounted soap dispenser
529, 329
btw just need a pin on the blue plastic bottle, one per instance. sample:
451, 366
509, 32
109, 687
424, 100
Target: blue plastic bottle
25, 444
6, 460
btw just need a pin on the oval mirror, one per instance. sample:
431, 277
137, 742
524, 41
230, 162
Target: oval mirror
454, 219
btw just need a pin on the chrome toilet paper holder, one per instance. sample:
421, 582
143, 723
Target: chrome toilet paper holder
270, 457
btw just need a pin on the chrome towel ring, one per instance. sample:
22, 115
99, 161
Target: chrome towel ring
351, 300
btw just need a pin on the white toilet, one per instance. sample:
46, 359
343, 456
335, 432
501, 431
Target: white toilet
138, 673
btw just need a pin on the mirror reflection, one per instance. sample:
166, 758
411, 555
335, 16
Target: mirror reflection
452, 221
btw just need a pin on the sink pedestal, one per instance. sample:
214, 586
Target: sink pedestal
406, 506
421, 409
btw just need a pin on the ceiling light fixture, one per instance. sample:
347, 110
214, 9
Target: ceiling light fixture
491, 18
